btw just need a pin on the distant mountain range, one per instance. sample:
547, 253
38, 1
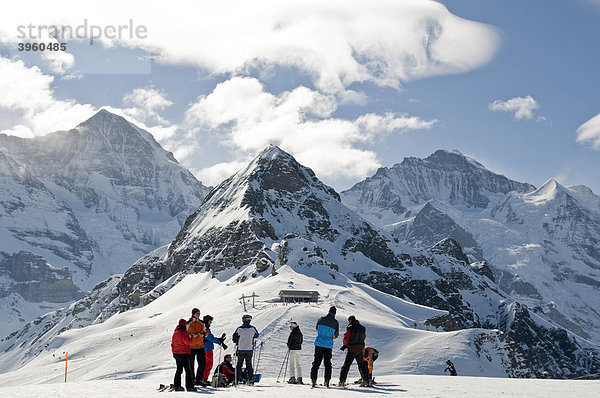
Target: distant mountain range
276, 213
81, 205
542, 245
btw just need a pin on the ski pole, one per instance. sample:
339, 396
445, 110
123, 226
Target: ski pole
282, 365
236, 361
286, 365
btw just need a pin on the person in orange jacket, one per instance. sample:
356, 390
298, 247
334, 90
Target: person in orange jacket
195, 328
180, 346
370, 355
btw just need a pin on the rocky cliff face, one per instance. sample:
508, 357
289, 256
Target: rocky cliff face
398, 192
276, 205
538, 245
93, 199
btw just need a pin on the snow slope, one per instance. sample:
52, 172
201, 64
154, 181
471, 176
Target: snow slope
136, 343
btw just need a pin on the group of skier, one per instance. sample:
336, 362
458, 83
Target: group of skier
193, 344
354, 344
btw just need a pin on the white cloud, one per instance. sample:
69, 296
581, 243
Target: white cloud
248, 118
589, 132
337, 42
32, 99
214, 174
521, 107
144, 104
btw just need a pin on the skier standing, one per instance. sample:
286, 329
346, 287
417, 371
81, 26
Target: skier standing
180, 346
327, 330
196, 329
354, 342
209, 345
294, 344
244, 338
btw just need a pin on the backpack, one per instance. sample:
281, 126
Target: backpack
219, 380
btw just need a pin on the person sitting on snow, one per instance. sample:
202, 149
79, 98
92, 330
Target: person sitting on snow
224, 372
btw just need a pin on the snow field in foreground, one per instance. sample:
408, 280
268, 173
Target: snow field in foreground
389, 386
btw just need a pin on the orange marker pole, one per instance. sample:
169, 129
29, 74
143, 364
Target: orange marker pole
66, 359
115, 374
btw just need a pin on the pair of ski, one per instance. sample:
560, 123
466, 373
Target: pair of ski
339, 386
164, 387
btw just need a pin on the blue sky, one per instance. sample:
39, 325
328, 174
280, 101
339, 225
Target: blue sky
245, 77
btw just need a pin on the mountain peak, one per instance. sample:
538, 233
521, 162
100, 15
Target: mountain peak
103, 118
549, 190
453, 158
272, 151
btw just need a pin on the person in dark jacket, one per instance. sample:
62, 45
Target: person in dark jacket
180, 346
451, 368
328, 329
354, 342
209, 345
294, 344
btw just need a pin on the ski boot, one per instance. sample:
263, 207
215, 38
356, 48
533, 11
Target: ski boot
299, 380
292, 380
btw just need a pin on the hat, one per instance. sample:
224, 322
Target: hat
293, 324
207, 318
182, 322
246, 318
351, 319
332, 309
195, 310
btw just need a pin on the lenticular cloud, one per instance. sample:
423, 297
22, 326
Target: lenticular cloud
382, 41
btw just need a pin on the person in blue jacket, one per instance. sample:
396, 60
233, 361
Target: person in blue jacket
244, 338
209, 345
328, 329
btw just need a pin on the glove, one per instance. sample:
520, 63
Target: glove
343, 347
223, 336
224, 346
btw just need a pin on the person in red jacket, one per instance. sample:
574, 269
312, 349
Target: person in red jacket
354, 341
180, 346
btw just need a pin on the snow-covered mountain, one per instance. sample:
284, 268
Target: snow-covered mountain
275, 215
541, 244
394, 326
398, 192
85, 203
